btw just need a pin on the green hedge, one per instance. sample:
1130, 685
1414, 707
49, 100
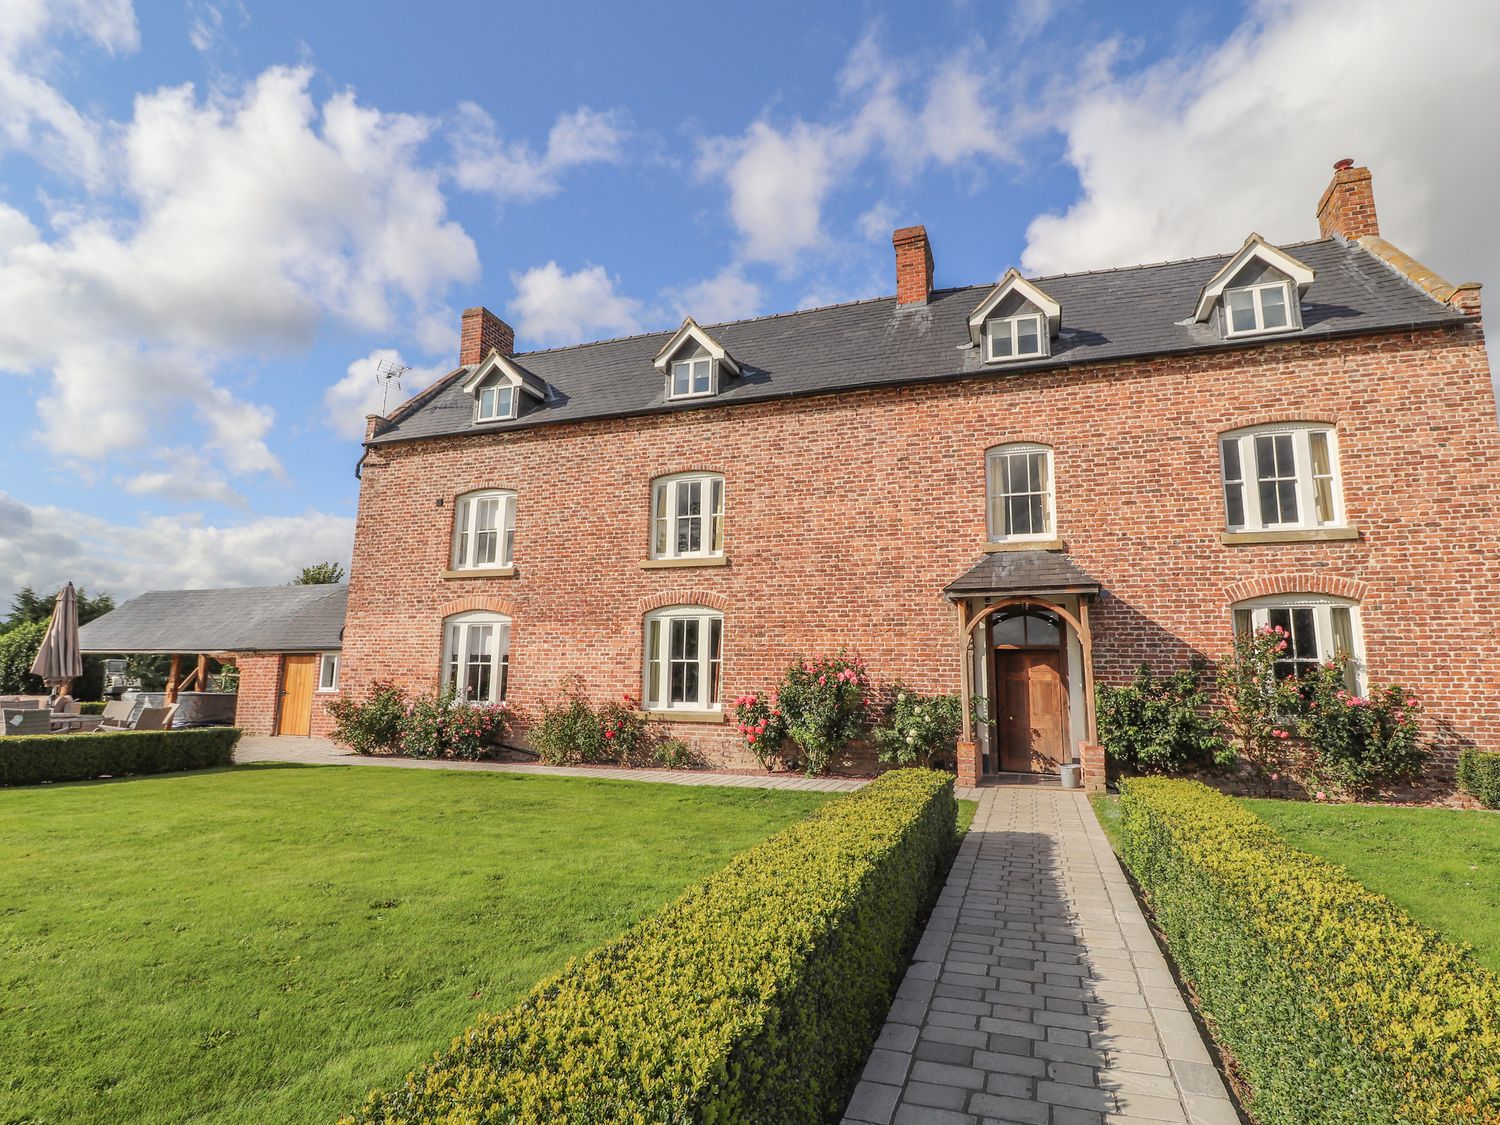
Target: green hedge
1479, 776
1336, 1005
91, 708
754, 997
32, 759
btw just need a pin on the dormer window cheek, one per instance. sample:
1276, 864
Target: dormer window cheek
1257, 308
1014, 337
692, 377
496, 404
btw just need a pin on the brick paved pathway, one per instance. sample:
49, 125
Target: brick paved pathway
1037, 993
321, 752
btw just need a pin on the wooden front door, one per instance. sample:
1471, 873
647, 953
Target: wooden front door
1030, 701
299, 675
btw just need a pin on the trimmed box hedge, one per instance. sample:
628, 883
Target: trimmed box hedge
33, 759
1479, 776
754, 997
1336, 1005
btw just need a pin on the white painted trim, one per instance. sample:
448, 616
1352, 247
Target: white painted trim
1320, 604
993, 454
323, 658
1254, 248
1249, 479
690, 330
664, 492
497, 362
702, 617
505, 527
1044, 339
1013, 282
499, 654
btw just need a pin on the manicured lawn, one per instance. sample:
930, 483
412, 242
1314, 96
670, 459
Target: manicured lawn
1440, 865
265, 944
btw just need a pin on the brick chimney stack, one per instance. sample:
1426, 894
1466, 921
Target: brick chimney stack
1347, 209
483, 332
913, 265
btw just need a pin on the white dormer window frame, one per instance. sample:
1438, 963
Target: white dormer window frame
697, 377
719, 363
497, 402
497, 384
1260, 309
1008, 339
1295, 279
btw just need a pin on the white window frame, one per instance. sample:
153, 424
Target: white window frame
328, 671
690, 368
1009, 326
994, 497
467, 551
1323, 606
512, 403
463, 636
1257, 295
665, 519
661, 626
1307, 479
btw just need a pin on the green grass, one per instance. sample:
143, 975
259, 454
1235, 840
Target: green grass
265, 944
1107, 809
1442, 866
966, 811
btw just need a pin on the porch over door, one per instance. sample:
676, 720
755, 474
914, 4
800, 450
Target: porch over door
1031, 700
298, 678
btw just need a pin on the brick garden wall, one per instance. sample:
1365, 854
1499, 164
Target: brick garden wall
847, 515
260, 690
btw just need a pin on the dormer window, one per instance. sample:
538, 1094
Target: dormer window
1257, 308
1015, 321
1015, 337
496, 404
692, 377
1257, 291
694, 363
497, 386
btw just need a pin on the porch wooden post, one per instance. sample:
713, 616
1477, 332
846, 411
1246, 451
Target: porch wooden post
967, 752
202, 681
172, 677
1086, 639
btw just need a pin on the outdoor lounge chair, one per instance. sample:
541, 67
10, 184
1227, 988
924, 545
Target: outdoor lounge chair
116, 716
154, 718
26, 720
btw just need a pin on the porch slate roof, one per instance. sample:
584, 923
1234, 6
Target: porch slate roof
1022, 572
241, 619
1107, 316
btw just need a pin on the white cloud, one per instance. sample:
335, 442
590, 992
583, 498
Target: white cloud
183, 475
1192, 154
361, 392
727, 295
780, 177
484, 162
256, 218
553, 306
45, 546
877, 224
34, 116
207, 19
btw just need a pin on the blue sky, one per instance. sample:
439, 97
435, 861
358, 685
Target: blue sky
217, 217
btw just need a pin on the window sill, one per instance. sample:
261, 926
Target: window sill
482, 572
1026, 545
682, 716
695, 560
1289, 535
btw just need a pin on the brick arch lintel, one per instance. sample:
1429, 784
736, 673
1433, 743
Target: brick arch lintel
1021, 437
682, 596
1327, 584
476, 602
1277, 418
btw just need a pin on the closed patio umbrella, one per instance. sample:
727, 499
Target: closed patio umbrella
58, 662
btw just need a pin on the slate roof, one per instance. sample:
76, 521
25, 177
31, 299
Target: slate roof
1106, 315
242, 619
1022, 572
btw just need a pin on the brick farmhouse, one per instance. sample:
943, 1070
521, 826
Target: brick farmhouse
1013, 490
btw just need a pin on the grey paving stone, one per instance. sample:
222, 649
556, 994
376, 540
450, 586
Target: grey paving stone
945, 1074
873, 1103
926, 1115
938, 1097
1010, 1109
888, 1067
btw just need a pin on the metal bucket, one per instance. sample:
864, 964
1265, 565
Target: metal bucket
1072, 775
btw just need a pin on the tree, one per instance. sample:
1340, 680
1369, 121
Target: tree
320, 574
28, 606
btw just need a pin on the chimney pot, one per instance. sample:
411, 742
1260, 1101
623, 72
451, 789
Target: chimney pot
482, 332
1340, 165
913, 265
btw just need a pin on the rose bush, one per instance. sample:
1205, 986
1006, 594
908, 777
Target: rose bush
762, 725
1257, 709
1160, 724
917, 729
1358, 742
437, 725
824, 702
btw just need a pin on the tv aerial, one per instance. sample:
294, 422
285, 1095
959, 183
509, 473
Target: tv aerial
388, 372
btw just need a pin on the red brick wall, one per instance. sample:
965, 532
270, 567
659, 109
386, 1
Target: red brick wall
260, 689
847, 515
